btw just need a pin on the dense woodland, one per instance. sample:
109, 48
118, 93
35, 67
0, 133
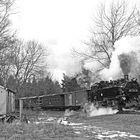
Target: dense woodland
34, 87
43, 86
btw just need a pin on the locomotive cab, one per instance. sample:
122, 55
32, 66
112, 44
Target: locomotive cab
132, 92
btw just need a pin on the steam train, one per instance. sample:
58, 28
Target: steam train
121, 93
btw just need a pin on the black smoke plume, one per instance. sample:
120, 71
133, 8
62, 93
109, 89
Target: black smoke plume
125, 63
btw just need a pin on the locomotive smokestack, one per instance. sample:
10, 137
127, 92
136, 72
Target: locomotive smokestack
139, 79
126, 77
125, 63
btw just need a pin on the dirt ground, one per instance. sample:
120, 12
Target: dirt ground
56, 125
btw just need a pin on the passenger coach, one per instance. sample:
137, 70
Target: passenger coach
61, 101
71, 100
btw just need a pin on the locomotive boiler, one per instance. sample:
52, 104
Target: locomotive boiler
121, 93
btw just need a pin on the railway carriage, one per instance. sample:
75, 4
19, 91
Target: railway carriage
71, 100
53, 101
61, 101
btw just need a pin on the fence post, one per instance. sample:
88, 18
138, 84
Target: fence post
21, 108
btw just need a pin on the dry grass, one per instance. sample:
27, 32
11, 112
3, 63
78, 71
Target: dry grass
54, 131
32, 131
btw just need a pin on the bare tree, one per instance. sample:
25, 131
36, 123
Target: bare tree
7, 39
110, 25
28, 61
5, 61
5, 31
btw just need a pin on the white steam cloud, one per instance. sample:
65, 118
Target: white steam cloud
125, 59
92, 110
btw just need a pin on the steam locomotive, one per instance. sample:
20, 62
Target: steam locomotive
121, 93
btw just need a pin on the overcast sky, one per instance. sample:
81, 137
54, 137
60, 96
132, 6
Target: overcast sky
59, 24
